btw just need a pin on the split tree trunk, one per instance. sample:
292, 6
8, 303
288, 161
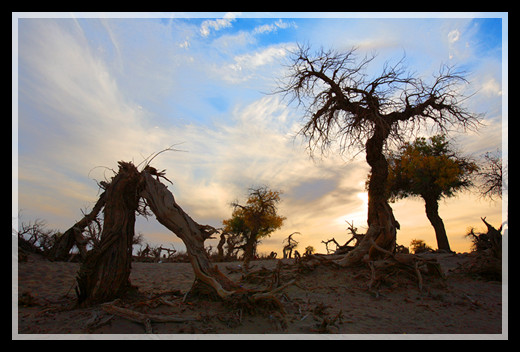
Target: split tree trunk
432, 212
208, 279
104, 275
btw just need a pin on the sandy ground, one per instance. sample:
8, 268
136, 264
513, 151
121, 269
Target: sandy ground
325, 302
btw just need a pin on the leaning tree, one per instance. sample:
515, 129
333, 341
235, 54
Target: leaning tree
431, 169
344, 104
105, 271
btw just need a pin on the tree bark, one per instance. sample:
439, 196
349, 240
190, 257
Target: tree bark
208, 279
104, 275
249, 250
432, 212
382, 226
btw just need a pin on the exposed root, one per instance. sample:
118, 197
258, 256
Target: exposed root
254, 302
404, 262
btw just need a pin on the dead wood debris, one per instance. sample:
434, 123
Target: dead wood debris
143, 318
327, 323
97, 320
402, 263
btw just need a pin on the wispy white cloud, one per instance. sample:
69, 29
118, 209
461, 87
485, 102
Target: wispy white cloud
90, 123
453, 36
259, 58
256, 64
79, 110
273, 27
217, 24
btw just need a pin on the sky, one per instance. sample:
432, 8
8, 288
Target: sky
92, 89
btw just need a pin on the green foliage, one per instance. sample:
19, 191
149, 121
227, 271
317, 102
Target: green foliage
428, 168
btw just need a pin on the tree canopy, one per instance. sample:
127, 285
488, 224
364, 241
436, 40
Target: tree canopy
491, 175
256, 219
347, 106
429, 168
432, 169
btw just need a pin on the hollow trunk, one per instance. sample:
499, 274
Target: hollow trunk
432, 212
382, 226
104, 274
208, 279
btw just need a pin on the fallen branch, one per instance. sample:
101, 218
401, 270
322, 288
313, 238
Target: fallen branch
262, 295
145, 319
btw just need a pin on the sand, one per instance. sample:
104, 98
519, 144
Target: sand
326, 302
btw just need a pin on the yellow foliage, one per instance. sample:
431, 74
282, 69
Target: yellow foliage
259, 215
428, 168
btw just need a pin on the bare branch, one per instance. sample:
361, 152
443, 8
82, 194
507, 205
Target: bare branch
343, 105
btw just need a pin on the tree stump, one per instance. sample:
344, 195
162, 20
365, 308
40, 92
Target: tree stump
104, 274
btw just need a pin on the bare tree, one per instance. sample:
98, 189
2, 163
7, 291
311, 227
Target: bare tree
73, 236
344, 105
291, 244
492, 173
105, 272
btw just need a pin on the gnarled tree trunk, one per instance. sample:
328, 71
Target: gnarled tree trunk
249, 250
104, 274
208, 279
382, 226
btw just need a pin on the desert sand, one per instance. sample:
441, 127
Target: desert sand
326, 302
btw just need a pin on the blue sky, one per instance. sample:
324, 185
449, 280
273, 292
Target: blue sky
94, 89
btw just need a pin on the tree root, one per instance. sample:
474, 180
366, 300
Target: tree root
404, 261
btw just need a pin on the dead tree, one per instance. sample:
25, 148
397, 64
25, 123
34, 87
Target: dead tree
344, 105
333, 240
232, 242
170, 252
488, 248
343, 249
208, 278
291, 244
104, 274
162, 203
73, 236
358, 237
490, 242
